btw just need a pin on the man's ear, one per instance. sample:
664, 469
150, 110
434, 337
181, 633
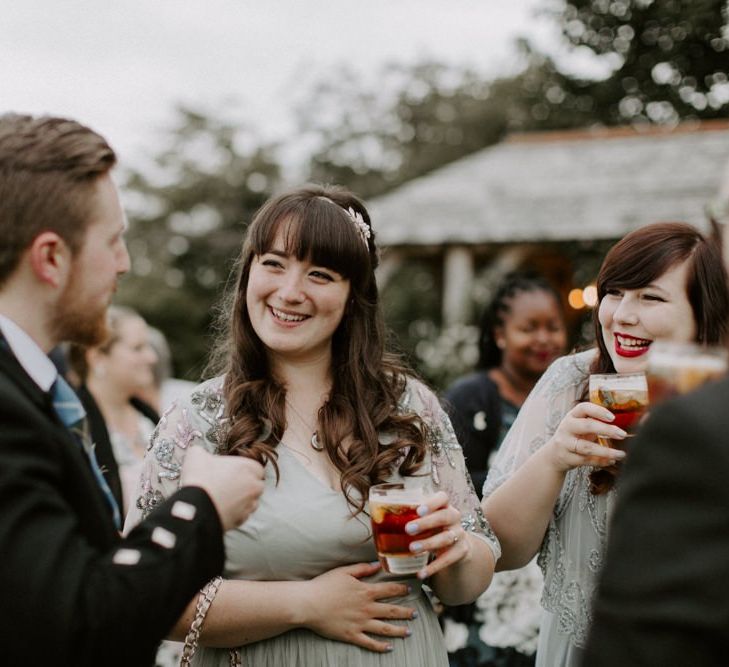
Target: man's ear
50, 258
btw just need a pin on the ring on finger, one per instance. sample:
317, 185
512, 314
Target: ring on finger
574, 447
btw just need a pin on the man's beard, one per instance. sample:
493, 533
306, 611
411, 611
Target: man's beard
74, 322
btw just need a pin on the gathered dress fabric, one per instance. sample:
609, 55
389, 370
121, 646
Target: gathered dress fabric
573, 549
303, 528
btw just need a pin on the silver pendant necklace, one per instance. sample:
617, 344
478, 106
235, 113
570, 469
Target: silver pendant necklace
315, 445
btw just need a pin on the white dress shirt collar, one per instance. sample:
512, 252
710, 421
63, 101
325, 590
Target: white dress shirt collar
30, 356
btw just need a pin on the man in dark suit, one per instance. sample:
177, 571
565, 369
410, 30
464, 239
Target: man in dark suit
663, 597
74, 592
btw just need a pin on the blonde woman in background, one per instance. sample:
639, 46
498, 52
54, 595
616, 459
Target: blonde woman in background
114, 373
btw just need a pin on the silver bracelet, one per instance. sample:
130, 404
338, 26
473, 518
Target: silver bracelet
204, 600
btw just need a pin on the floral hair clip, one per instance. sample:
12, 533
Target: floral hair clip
363, 228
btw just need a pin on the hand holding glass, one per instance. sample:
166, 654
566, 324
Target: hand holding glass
392, 506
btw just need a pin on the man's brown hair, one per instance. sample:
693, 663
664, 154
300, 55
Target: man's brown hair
48, 169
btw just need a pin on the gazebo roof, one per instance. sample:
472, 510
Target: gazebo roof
557, 186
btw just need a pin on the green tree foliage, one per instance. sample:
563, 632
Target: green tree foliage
187, 215
669, 58
416, 118
410, 120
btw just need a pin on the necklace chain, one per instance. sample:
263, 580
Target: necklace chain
517, 384
314, 441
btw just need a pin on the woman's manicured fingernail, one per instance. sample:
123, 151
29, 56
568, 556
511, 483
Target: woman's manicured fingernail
389, 647
416, 546
422, 574
408, 632
412, 528
410, 588
422, 510
415, 614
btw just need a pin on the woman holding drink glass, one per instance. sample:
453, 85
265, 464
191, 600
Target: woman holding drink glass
308, 390
661, 282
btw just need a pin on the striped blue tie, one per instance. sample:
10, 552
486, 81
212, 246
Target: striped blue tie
70, 411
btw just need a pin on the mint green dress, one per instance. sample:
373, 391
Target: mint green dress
303, 528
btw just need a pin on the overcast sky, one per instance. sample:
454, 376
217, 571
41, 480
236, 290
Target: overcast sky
120, 66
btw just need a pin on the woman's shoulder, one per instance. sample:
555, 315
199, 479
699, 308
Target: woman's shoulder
416, 389
572, 366
566, 375
212, 385
206, 396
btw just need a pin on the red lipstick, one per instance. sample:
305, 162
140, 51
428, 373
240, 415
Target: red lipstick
630, 346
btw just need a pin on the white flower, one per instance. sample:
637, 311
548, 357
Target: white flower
510, 609
455, 635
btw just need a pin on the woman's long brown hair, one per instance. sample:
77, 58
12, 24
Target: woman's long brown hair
641, 257
367, 382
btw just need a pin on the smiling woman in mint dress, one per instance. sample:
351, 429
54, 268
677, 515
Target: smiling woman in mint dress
307, 388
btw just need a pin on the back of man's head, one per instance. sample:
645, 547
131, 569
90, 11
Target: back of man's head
48, 168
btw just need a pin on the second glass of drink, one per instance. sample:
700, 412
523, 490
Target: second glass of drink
677, 368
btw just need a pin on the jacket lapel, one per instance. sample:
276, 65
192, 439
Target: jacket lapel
13, 370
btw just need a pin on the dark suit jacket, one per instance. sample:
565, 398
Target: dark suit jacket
664, 592
64, 599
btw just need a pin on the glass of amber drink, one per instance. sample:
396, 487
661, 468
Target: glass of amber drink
391, 507
677, 368
625, 395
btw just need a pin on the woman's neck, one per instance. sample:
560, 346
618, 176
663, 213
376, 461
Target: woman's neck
114, 405
513, 385
304, 378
